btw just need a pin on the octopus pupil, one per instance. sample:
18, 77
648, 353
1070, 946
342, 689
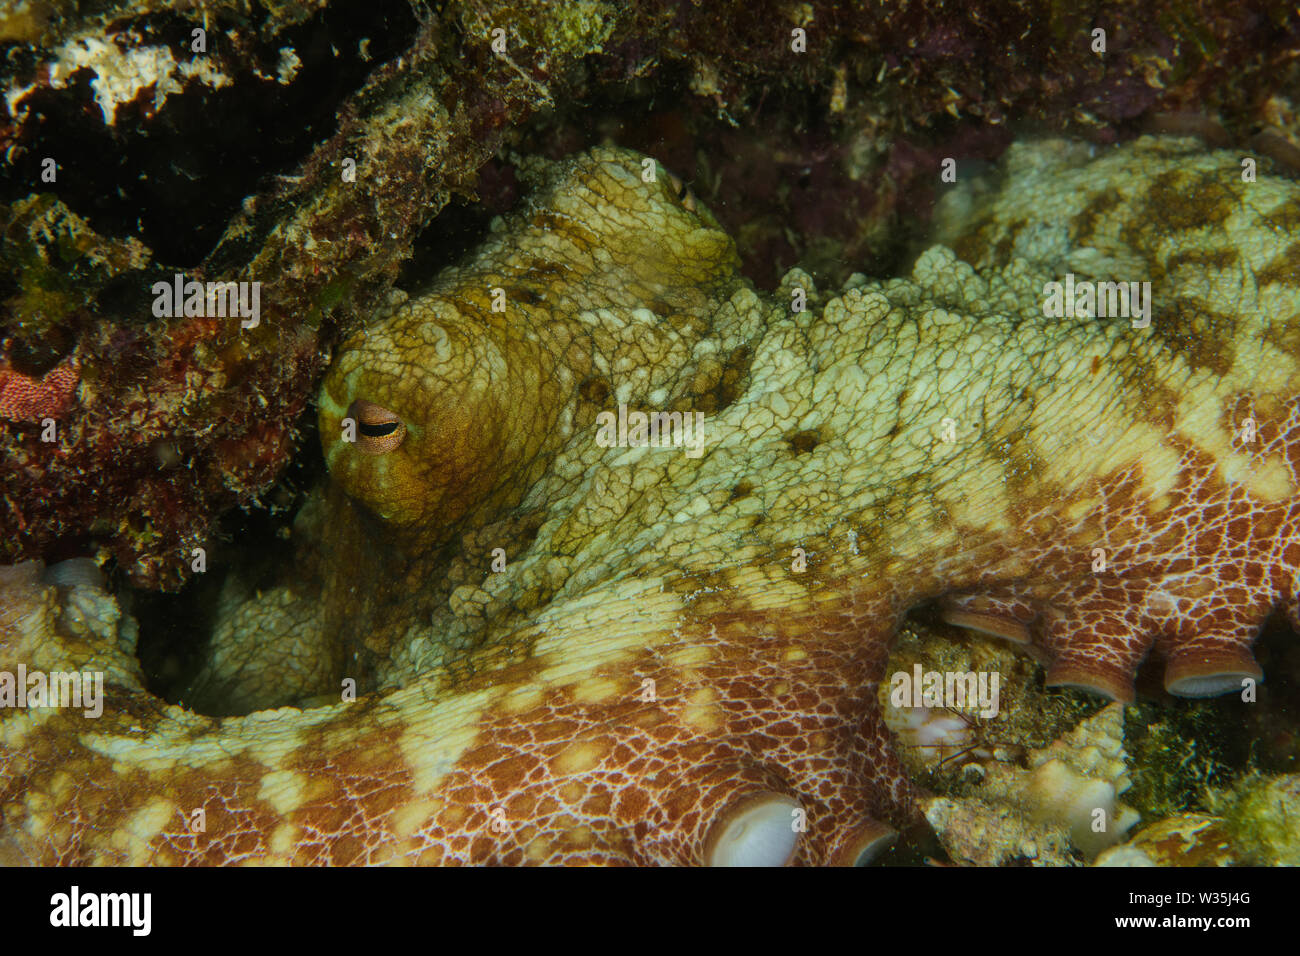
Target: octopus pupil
378, 430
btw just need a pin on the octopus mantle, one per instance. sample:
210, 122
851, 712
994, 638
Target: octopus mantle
575, 653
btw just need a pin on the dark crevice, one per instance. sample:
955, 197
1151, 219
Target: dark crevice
459, 228
255, 544
174, 179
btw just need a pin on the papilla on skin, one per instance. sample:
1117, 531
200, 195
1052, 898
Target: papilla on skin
656, 429
1088, 299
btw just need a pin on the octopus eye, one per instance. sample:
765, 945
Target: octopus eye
378, 429
682, 192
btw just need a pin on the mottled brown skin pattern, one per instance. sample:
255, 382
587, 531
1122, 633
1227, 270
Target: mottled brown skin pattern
1194, 588
928, 438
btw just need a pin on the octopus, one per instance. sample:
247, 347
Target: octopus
506, 641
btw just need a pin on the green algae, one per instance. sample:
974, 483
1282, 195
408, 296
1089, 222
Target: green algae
1261, 812
1176, 755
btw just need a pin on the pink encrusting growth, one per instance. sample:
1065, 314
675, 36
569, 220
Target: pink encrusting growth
27, 399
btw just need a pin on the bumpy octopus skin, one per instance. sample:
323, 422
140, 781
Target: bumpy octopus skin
656, 676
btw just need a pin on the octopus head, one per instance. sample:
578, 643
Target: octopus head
449, 408
406, 432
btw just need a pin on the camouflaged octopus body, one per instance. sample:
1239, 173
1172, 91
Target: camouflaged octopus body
679, 662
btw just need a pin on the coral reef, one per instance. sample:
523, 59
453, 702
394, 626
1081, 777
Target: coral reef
936, 744
1065, 800
618, 653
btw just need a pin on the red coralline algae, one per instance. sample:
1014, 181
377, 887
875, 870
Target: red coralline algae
27, 399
